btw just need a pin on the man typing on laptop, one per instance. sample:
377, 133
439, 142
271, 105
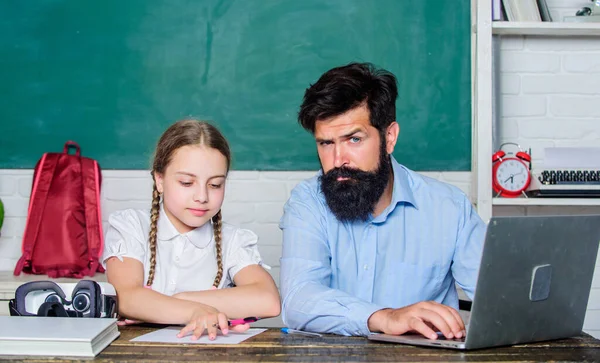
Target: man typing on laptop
533, 270
369, 245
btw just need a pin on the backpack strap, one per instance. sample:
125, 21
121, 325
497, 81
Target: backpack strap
90, 171
44, 172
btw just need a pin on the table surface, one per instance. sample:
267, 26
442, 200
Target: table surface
274, 346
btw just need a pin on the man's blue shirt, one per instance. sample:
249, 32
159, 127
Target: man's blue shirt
334, 274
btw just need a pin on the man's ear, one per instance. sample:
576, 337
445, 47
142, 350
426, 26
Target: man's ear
158, 180
391, 136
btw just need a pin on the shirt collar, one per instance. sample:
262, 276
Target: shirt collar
401, 193
199, 237
402, 189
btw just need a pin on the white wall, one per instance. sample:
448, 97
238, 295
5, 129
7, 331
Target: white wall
549, 91
253, 200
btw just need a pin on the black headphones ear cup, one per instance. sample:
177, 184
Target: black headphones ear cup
22, 292
52, 309
95, 295
97, 300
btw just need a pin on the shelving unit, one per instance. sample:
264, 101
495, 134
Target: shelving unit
547, 201
545, 28
546, 38
484, 31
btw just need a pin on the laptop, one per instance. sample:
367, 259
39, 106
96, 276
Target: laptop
533, 285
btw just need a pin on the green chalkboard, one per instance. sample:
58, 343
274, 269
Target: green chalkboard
113, 74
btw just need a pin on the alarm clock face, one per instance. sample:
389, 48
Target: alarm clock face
512, 175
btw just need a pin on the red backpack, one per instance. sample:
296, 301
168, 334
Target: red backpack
63, 233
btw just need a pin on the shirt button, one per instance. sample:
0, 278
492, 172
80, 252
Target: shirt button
176, 258
172, 282
366, 267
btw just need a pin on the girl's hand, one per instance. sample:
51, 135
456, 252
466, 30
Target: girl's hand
205, 318
123, 322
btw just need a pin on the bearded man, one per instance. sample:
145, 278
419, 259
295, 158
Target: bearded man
369, 245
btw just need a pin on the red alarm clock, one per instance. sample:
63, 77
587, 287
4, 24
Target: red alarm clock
510, 173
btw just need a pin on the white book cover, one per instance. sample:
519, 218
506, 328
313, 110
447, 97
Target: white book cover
53, 336
522, 10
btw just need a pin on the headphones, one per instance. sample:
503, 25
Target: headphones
85, 299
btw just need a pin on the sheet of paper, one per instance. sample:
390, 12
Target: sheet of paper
571, 158
169, 335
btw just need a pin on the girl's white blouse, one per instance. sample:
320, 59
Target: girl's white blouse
184, 262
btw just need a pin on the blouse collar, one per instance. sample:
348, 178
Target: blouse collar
199, 237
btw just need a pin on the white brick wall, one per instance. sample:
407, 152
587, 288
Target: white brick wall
550, 96
253, 200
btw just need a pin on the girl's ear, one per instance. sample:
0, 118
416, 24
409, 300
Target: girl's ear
158, 179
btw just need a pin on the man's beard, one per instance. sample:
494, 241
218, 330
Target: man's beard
354, 199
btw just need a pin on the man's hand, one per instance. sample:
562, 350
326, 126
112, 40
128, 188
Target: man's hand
425, 318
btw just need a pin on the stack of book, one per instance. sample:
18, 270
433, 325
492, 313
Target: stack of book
520, 10
54, 336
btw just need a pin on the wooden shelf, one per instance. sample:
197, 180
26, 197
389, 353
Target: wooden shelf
545, 28
547, 201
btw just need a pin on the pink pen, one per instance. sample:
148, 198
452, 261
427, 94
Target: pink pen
248, 320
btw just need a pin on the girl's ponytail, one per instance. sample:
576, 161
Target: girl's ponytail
154, 213
217, 232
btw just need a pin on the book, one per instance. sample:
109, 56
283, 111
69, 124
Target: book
54, 336
522, 10
497, 10
544, 11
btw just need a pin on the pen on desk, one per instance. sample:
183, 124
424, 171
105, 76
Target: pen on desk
300, 332
247, 320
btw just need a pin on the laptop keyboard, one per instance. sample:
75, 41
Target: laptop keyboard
442, 337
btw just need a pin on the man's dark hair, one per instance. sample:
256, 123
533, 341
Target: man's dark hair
344, 88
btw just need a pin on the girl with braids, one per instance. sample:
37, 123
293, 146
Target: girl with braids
171, 265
